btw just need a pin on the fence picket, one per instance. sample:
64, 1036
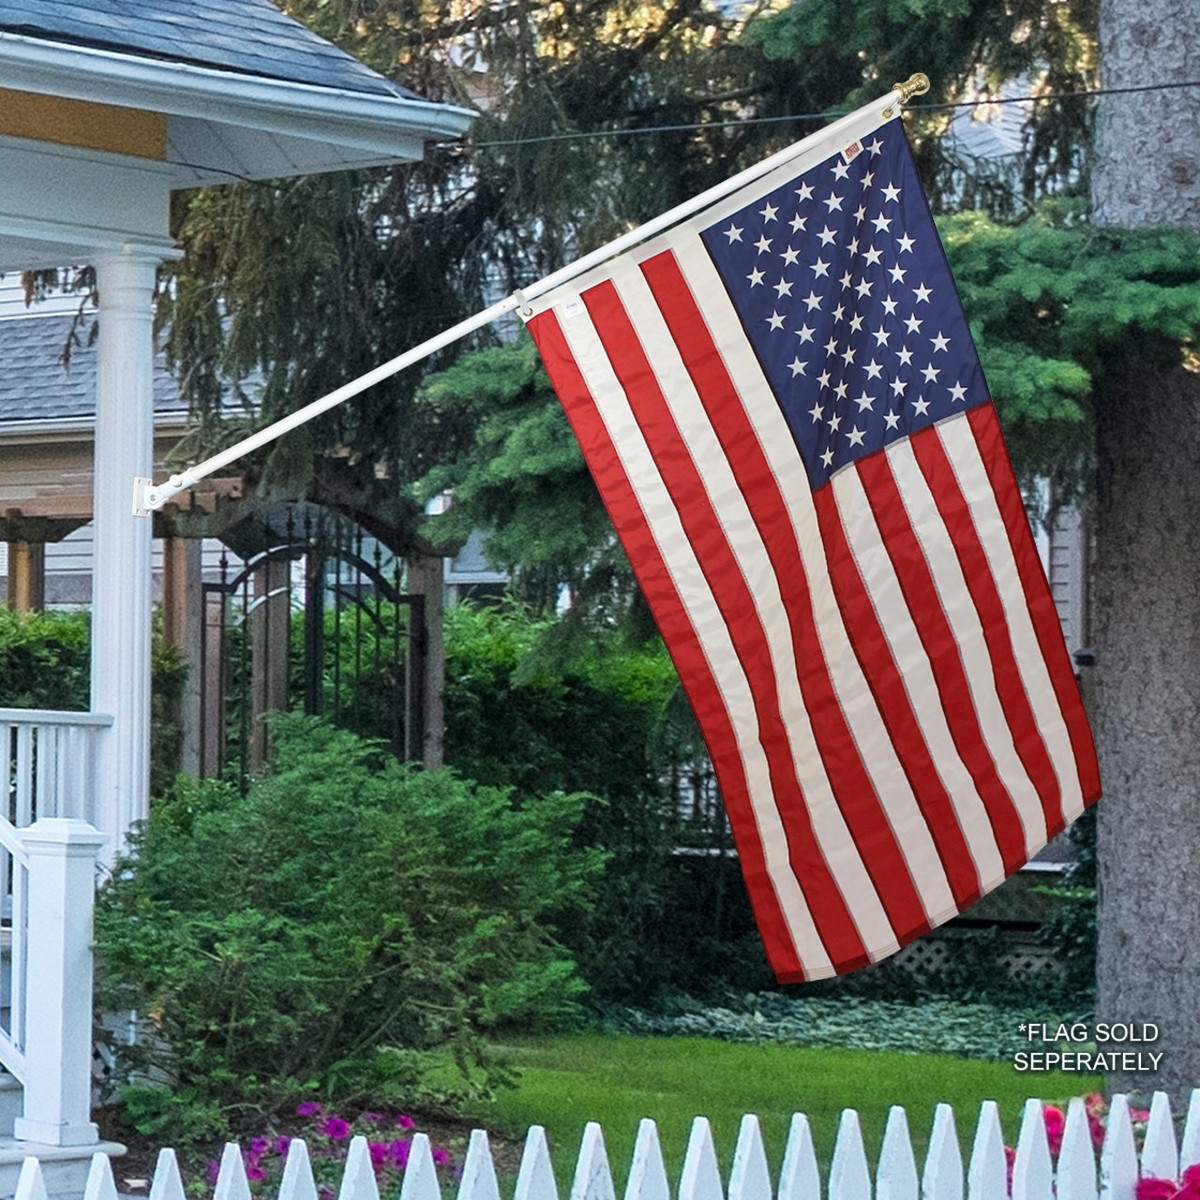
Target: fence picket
987, 1172
800, 1177
31, 1183
1118, 1154
1189, 1147
593, 1179
849, 1176
297, 1182
896, 1174
479, 1171
100, 1184
358, 1176
1160, 1151
943, 1175
535, 1178
896, 1178
1076, 1178
750, 1178
701, 1178
420, 1175
232, 1183
1033, 1173
647, 1172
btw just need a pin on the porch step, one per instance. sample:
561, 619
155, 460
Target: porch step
64, 1168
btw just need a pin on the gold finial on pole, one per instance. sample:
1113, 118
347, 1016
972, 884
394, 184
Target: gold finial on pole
915, 85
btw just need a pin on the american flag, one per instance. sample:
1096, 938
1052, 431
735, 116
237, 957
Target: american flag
785, 415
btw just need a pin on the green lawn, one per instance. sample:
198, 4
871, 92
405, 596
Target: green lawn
616, 1080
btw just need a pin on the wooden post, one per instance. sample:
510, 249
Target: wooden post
182, 605
212, 712
58, 1049
26, 576
426, 579
269, 670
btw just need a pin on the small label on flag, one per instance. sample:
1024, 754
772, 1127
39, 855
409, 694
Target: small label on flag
573, 308
852, 151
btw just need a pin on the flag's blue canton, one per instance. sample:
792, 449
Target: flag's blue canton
844, 291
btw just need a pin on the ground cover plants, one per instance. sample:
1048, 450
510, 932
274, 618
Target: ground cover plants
930, 1026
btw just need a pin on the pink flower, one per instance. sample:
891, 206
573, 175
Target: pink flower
404, 1121
441, 1156
379, 1155
255, 1173
398, 1152
258, 1146
1055, 1124
1150, 1188
1189, 1188
214, 1169
310, 1108
337, 1128
282, 1146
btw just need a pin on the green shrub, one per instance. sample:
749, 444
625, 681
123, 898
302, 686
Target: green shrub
44, 663
43, 660
325, 932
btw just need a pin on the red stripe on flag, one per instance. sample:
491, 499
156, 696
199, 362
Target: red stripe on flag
1027, 739
669, 612
986, 427
736, 604
874, 654
941, 648
852, 786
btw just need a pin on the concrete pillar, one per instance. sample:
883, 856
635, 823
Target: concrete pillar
26, 576
121, 576
58, 982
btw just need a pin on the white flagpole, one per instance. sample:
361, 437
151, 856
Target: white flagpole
148, 498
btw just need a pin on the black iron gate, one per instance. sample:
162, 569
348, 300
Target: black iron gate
308, 613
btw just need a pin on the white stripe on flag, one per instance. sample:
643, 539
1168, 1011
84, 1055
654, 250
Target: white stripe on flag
963, 452
891, 608
854, 695
926, 522
696, 596
837, 845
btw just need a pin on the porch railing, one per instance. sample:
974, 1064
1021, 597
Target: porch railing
49, 848
51, 760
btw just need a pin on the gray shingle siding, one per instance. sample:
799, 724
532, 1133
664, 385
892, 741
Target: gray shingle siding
250, 37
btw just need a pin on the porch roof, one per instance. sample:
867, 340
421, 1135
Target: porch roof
246, 91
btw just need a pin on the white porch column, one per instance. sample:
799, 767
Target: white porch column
121, 573
58, 1047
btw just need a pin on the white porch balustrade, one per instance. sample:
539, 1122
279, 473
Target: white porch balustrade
51, 759
49, 849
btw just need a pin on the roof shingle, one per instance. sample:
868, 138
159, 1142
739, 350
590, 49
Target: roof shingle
250, 37
36, 387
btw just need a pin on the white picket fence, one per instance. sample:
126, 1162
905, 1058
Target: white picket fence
1076, 1176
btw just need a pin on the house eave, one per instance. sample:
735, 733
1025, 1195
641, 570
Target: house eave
34, 430
307, 128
